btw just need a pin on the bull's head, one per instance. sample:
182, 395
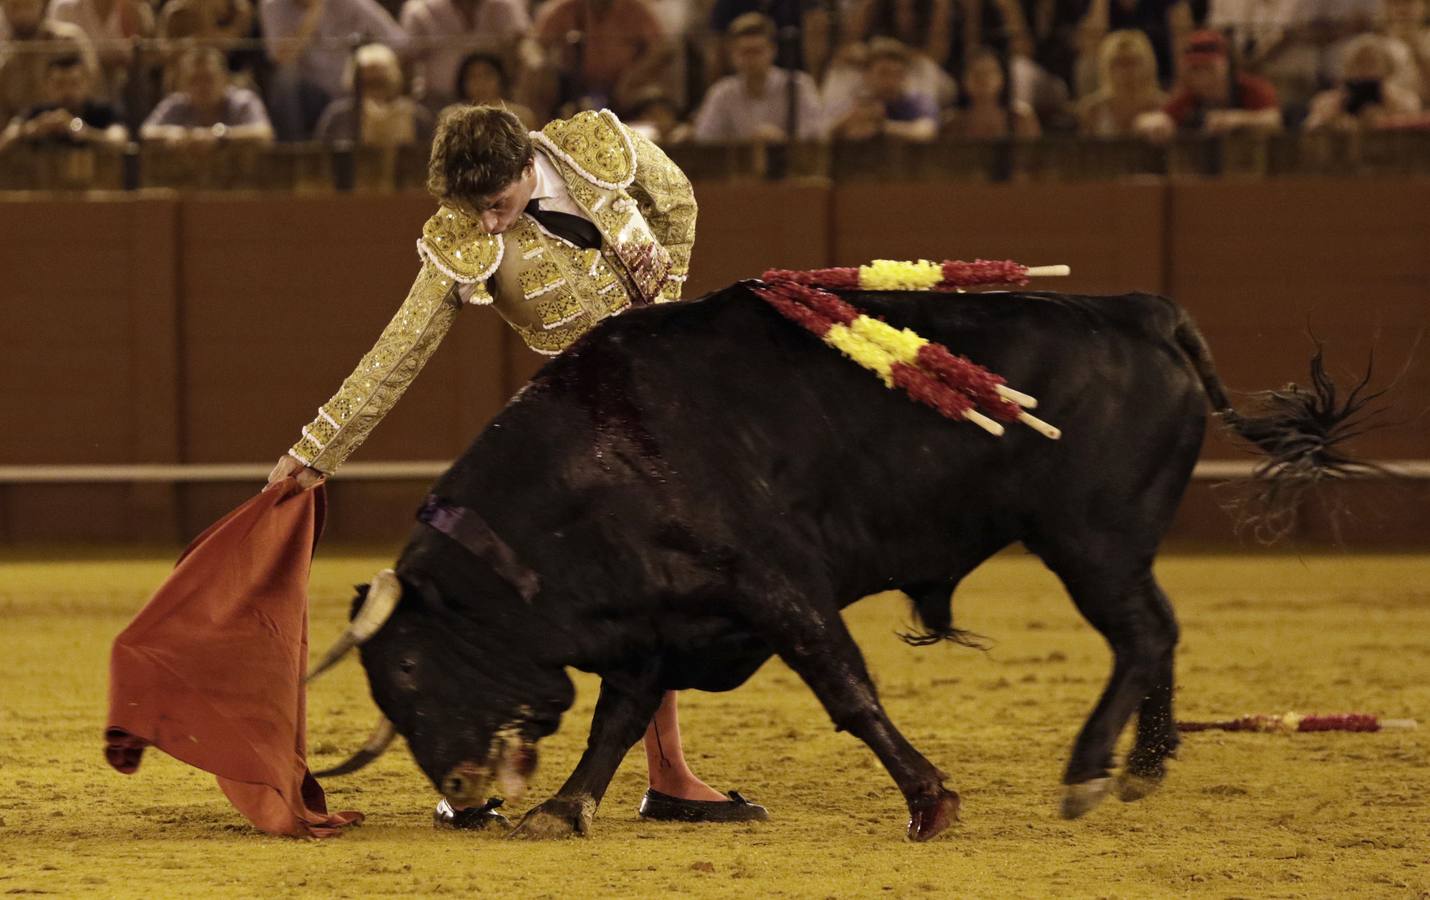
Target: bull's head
467, 690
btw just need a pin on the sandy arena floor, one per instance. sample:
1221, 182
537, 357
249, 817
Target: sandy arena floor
1242, 815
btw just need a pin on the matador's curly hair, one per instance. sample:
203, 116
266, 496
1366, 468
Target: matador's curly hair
477, 151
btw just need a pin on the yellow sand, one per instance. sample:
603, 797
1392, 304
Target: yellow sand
1246, 815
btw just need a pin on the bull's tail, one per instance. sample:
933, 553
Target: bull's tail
1300, 431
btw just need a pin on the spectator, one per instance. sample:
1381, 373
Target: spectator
70, 114
1335, 24
754, 103
29, 42
986, 110
445, 32
206, 108
229, 25
974, 25
1407, 39
309, 43
1209, 99
924, 26
113, 28
602, 52
656, 117
482, 81
946, 33
887, 105
1128, 87
388, 119
803, 32
1165, 22
1365, 98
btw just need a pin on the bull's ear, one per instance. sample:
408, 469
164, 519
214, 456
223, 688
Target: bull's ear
358, 600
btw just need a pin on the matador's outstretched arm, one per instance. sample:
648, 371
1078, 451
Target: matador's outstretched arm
454, 251
383, 374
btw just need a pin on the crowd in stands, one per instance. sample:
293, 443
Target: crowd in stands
379, 72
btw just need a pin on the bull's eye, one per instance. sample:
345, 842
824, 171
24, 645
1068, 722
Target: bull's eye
405, 667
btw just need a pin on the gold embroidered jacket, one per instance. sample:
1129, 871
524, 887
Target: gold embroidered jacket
550, 291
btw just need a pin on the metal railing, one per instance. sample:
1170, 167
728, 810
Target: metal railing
308, 168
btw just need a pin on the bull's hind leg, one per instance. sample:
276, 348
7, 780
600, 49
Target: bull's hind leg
622, 713
822, 652
1131, 613
1156, 727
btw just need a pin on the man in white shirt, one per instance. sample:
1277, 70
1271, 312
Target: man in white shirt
754, 103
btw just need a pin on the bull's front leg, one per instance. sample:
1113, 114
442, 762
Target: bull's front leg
823, 653
622, 715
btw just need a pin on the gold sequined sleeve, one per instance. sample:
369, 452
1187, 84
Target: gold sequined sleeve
382, 376
667, 201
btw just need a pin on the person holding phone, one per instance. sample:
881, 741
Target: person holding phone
1365, 97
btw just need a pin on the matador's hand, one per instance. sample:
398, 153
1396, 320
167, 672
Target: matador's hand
287, 465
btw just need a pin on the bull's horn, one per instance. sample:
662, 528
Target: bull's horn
382, 597
377, 743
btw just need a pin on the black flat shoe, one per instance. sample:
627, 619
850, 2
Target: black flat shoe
665, 808
472, 818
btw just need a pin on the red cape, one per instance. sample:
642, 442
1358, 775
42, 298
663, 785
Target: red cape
211, 670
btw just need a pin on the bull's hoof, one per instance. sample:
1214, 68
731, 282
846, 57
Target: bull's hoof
1132, 787
1080, 799
555, 819
931, 816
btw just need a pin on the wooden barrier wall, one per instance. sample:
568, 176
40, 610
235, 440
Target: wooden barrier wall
207, 328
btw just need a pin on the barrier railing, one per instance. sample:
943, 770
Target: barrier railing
316, 168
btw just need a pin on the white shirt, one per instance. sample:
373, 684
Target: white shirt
551, 190
730, 113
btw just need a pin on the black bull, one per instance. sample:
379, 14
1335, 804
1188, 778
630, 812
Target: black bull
695, 487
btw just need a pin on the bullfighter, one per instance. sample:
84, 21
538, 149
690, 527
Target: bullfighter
558, 230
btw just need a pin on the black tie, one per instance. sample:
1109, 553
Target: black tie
575, 229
